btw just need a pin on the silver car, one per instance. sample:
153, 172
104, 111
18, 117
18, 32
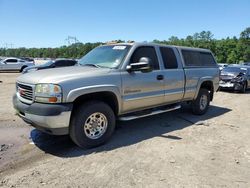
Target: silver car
14, 64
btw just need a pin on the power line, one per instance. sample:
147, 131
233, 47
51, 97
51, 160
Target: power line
71, 40
8, 45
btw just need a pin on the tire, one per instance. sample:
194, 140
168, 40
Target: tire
92, 124
201, 103
21, 70
244, 87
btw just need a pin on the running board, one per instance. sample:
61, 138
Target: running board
153, 112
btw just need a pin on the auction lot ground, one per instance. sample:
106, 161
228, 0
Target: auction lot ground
175, 149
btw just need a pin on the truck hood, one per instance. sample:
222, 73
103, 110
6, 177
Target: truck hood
57, 75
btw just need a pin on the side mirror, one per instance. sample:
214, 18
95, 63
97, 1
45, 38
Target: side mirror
143, 65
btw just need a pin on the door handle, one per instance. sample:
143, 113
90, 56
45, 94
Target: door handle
160, 77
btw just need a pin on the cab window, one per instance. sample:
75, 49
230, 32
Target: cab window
146, 51
169, 58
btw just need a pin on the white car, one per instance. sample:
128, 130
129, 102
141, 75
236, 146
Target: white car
222, 66
14, 64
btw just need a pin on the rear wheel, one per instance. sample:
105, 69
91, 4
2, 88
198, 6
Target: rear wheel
201, 103
92, 124
244, 87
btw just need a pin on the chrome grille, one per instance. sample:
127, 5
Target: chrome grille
25, 91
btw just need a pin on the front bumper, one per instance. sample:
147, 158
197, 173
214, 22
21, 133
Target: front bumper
50, 118
231, 86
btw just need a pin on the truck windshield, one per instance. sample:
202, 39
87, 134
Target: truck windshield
48, 63
105, 56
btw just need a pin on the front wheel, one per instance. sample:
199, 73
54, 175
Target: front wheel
21, 70
244, 87
201, 103
92, 124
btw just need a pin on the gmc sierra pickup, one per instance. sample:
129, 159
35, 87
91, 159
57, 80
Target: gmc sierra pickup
115, 82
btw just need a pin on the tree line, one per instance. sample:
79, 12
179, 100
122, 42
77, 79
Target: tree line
229, 50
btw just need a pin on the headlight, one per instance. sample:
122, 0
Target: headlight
237, 79
48, 93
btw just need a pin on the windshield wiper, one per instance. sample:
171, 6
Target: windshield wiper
90, 64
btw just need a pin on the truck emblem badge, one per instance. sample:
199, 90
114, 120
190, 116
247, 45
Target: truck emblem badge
21, 91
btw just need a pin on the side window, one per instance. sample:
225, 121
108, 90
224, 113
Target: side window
64, 63
11, 61
60, 63
196, 58
191, 58
145, 51
207, 59
169, 58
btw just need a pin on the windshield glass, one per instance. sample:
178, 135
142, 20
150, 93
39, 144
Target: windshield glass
48, 63
234, 70
105, 56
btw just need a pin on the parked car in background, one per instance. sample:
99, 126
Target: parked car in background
246, 63
222, 65
27, 59
236, 77
51, 64
14, 64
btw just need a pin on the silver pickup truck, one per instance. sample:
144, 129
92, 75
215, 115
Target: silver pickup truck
115, 82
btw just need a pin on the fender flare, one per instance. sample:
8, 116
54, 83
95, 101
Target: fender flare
200, 82
75, 93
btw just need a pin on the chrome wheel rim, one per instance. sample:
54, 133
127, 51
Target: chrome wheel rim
95, 125
203, 102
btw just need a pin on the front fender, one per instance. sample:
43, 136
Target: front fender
75, 93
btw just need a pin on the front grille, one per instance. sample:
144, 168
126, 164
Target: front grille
226, 80
25, 91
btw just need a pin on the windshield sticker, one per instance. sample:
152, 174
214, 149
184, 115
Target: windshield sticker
119, 47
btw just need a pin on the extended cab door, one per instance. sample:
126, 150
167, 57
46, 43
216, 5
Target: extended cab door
174, 78
142, 90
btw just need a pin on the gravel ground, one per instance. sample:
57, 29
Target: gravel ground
175, 149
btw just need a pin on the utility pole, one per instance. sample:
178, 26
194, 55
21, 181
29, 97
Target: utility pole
5, 45
71, 40
8, 45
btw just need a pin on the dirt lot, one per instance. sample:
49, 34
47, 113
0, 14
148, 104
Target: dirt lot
175, 149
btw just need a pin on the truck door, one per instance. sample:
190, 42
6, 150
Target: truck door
174, 78
142, 89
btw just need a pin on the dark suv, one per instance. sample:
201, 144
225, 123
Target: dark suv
52, 64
